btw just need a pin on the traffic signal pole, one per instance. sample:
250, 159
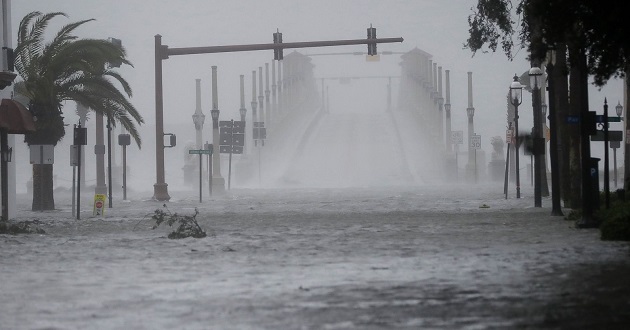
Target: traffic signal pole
162, 52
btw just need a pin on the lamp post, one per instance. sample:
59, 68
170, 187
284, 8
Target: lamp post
217, 180
198, 117
447, 109
254, 104
535, 75
619, 111
471, 126
516, 98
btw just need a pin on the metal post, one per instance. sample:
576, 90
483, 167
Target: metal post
217, 180
200, 175
254, 105
471, 126
124, 172
261, 95
267, 97
109, 159
160, 188
79, 151
507, 170
440, 101
606, 165
516, 155
615, 165
447, 108
274, 96
537, 153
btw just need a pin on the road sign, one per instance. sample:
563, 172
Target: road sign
234, 149
572, 119
259, 124
475, 141
600, 119
508, 136
457, 137
200, 152
612, 136
615, 144
99, 203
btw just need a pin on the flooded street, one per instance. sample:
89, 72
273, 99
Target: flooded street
401, 258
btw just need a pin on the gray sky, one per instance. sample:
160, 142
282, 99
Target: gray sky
435, 26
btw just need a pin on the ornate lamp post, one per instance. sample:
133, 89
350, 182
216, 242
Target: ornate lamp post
535, 76
516, 98
218, 182
198, 117
471, 126
619, 111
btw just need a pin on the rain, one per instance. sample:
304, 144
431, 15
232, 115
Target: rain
356, 211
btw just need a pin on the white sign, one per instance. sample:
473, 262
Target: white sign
475, 142
74, 155
457, 137
508, 136
42, 153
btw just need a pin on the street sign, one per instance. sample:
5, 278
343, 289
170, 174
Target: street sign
259, 124
239, 127
234, 149
199, 152
99, 203
612, 136
572, 119
475, 141
600, 119
457, 137
628, 136
615, 144
508, 136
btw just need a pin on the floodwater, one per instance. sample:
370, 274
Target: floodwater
394, 258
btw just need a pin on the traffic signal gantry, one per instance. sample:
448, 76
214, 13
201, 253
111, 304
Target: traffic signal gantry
162, 52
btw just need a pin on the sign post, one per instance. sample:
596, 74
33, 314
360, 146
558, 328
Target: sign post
457, 138
232, 141
475, 143
200, 152
99, 205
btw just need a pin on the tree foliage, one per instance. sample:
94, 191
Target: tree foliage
599, 27
70, 68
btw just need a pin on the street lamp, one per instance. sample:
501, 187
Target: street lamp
215, 118
619, 111
516, 98
535, 79
243, 112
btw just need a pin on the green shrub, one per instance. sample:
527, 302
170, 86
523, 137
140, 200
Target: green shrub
615, 222
23, 227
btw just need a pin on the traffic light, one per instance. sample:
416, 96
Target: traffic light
277, 52
371, 34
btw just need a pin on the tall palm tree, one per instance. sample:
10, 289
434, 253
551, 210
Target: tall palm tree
67, 68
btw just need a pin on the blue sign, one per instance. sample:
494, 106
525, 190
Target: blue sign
572, 119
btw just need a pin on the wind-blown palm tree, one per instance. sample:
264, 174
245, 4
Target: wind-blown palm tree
67, 68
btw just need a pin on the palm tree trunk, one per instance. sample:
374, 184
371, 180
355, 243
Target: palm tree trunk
562, 107
575, 166
43, 198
